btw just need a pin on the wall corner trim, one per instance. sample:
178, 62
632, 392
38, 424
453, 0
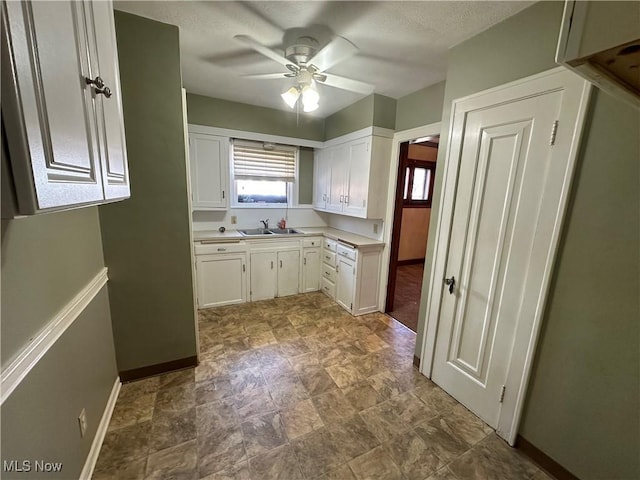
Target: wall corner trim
96, 445
31, 354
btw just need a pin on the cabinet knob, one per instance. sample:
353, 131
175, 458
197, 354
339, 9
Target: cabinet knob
98, 86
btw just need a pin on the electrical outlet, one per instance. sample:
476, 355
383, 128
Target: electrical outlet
82, 421
375, 228
234, 219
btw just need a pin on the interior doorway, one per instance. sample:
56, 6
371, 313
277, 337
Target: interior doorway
410, 230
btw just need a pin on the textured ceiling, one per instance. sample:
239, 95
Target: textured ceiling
403, 45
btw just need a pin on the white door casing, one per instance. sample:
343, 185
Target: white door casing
502, 205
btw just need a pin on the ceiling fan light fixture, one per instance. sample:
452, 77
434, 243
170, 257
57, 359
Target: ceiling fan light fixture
291, 96
310, 95
309, 107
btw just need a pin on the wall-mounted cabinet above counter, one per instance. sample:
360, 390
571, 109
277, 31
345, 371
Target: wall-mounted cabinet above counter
61, 107
351, 174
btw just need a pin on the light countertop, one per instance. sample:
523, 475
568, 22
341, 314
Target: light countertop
333, 233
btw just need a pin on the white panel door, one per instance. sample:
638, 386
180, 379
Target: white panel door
222, 279
503, 177
311, 270
113, 150
288, 272
56, 105
209, 156
263, 275
345, 280
357, 186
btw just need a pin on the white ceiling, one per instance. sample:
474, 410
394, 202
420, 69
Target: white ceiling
403, 45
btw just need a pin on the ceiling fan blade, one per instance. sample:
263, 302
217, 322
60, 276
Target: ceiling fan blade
335, 51
266, 76
348, 84
258, 47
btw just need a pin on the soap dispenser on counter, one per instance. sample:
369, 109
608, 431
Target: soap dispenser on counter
282, 224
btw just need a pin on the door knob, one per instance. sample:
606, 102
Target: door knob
451, 282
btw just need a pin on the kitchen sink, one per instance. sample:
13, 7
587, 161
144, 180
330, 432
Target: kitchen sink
255, 231
283, 231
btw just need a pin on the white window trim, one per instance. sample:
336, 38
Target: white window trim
292, 187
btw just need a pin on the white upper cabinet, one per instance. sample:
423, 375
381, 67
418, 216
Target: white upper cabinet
209, 160
354, 174
62, 110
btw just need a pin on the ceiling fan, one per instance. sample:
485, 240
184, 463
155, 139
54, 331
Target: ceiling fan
308, 64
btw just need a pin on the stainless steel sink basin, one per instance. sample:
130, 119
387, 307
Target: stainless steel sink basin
283, 231
255, 231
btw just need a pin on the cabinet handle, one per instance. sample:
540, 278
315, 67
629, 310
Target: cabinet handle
337, 270
222, 249
223, 194
280, 263
346, 199
98, 86
341, 198
244, 267
304, 261
271, 264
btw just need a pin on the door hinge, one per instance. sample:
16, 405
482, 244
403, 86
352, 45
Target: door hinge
502, 390
351, 306
554, 132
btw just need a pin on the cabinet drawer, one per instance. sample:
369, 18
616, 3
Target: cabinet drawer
329, 272
311, 242
330, 244
328, 287
212, 248
345, 251
329, 258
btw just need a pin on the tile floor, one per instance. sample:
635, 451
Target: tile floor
296, 388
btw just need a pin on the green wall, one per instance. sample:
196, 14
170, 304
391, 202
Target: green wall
146, 238
582, 409
420, 108
49, 257
40, 417
215, 112
305, 177
583, 405
376, 110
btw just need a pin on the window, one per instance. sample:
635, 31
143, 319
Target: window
418, 183
263, 173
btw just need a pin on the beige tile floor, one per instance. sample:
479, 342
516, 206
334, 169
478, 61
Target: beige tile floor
296, 388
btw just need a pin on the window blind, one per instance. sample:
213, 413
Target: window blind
263, 161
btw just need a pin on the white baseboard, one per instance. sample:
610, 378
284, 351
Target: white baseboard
30, 355
96, 445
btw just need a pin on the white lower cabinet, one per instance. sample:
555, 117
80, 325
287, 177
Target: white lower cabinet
222, 279
263, 269
310, 269
263, 275
288, 272
274, 273
345, 273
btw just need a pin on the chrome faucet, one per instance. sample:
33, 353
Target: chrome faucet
265, 223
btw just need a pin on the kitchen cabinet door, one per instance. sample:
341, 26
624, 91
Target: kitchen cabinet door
345, 279
311, 270
338, 168
288, 272
63, 120
209, 159
321, 182
357, 178
263, 275
222, 279
113, 150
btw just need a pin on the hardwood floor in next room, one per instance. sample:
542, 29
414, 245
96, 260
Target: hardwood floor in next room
296, 388
406, 303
